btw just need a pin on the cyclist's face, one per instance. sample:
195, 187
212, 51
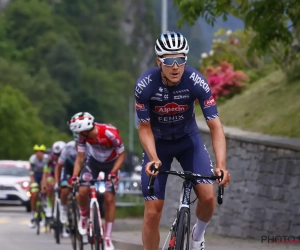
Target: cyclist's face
39, 155
89, 134
56, 157
173, 72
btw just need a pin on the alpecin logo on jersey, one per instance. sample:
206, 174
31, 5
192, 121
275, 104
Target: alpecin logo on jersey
139, 106
170, 109
210, 102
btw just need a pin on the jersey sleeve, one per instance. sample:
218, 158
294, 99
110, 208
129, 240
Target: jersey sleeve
63, 156
203, 93
81, 144
142, 106
31, 162
114, 136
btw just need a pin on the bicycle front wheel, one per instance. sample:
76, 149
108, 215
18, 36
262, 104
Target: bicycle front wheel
57, 224
38, 219
97, 237
183, 229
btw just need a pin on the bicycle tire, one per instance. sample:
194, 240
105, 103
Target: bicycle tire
37, 221
183, 229
57, 225
74, 234
97, 238
72, 226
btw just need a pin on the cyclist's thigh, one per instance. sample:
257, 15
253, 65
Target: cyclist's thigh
165, 154
194, 157
50, 181
88, 172
106, 168
66, 174
35, 187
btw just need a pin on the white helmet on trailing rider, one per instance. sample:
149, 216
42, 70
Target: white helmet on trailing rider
171, 43
58, 146
82, 121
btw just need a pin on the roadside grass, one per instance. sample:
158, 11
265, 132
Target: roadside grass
270, 106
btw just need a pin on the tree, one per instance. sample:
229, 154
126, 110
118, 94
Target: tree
273, 22
20, 126
45, 94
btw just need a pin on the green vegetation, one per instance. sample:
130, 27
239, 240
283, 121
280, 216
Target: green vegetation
130, 211
272, 28
270, 105
58, 58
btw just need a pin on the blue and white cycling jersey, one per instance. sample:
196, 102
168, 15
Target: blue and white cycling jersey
170, 109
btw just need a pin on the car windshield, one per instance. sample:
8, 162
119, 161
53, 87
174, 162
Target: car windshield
13, 171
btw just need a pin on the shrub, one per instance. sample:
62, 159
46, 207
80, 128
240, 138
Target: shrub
224, 81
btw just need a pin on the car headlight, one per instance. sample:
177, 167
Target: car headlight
24, 184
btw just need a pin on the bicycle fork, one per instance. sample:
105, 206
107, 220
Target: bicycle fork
94, 200
184, 201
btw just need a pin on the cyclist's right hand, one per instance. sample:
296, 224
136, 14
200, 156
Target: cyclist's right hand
148, 167
73, 179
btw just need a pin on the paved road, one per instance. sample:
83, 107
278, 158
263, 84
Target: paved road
15, 234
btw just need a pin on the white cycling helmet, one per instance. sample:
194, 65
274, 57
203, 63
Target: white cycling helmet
58, 147
171, 43
82, 121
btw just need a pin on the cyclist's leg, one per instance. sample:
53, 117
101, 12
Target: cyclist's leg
50, 194
66, 174
88, 172
154, 204
194, 157
34, 191
109, 202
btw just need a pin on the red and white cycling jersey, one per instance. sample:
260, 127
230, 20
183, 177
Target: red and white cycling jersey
106, 146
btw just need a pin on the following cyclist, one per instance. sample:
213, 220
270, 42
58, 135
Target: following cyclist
106, 154
165, 98
37, 163
63, 172
48, 176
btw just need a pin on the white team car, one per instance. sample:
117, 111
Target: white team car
14, 183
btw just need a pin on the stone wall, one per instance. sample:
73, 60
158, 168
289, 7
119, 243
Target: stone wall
264, 195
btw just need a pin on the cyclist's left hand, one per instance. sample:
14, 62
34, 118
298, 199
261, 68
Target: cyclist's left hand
44, 188
113, 176
226, 177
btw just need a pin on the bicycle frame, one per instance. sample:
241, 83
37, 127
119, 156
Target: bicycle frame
184, 201
94, 200
56, 203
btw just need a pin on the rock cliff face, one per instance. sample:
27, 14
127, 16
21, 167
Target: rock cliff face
3, 4
140, 30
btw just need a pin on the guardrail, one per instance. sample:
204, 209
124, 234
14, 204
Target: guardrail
129, 193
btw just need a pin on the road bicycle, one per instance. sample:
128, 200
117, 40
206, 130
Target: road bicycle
57, 224
179, 234
40, 215
73, 218
95, 230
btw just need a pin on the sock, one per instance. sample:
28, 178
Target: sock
32, 214
108, 228
198, 234
83, 212
49, 203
